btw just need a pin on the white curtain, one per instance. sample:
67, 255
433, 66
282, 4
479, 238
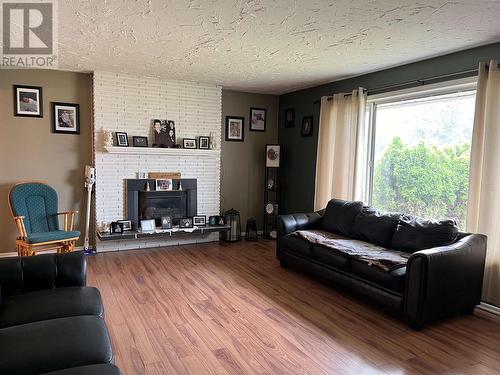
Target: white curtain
342, 148
483, 214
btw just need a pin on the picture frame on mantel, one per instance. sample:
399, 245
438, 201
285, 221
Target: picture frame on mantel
121, 139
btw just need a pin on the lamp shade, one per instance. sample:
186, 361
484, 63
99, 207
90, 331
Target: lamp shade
232, 219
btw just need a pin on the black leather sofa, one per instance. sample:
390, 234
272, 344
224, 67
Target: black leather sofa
50, 321
436, 282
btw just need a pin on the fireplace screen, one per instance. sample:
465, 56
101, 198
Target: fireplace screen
155, 204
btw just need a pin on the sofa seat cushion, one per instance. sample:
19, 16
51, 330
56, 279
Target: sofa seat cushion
375, 227
294, 244
107, 369
394, 280
50, 304
339, 216
55, 235
330, 257
368, 253
54, 344
414, 234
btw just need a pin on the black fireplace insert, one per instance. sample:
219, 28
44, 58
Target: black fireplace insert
153, 204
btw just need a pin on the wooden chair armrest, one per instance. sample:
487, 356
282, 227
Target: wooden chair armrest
69, 219
67, 212
21, 228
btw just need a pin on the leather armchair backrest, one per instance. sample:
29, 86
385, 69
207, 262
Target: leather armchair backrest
47, 271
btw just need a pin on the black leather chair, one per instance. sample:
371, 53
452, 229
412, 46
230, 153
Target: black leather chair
435, 282
50, 321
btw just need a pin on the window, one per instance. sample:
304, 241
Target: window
420, 151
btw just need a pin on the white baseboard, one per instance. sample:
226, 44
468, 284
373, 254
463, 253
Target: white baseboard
489, 308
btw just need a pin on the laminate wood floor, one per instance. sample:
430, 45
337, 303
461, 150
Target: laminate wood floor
230, 309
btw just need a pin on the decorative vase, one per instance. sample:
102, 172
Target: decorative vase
108, 137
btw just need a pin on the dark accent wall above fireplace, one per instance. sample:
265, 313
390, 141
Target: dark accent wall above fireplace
153, 204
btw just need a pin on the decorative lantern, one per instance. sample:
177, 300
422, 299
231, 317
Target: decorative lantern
251, 230
232, 219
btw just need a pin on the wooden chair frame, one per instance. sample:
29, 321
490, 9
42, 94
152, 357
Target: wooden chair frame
24, 248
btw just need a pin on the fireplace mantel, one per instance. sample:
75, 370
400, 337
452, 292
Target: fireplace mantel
162, 151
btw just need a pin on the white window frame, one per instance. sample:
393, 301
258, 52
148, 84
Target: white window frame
419, 92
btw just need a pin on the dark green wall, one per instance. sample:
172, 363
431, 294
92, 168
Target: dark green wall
299, 153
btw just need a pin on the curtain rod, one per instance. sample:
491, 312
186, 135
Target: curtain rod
463, 74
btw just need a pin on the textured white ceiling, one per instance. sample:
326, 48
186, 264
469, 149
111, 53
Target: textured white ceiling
266, 46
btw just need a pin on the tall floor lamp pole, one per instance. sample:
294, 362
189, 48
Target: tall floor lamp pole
89, 184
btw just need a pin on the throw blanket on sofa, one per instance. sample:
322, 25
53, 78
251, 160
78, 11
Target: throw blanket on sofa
373, 255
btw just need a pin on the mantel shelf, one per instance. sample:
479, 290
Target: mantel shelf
161, 151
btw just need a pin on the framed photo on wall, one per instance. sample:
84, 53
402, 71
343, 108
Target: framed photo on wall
235, 128
28, 101
273, 156
307, 126
258, 119
65, 118
290, 118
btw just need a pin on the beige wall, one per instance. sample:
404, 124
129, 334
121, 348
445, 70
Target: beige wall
30, 151
243, 162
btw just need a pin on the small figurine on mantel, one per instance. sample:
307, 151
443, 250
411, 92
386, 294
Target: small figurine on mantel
107, 136
180, 185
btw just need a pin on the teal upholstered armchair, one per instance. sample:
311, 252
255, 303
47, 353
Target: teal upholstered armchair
35, 210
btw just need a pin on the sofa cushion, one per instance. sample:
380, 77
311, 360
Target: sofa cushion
296, 245
374, 226
414, 234
54, 344
339, 216
394, 280
107, 369
330, 257
50, 304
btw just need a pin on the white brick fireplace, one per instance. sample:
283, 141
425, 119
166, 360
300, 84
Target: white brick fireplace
128, 104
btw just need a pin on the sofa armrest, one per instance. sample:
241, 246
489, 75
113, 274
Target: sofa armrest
290, 223
46, 271
445, 280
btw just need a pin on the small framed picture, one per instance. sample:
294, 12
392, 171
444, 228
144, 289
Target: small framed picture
235, 129
28, 101
121, 139
65, 118
116, 227
216, 220
189, 143
273, 155
204, 142
200, 221
290, 118
166, 222
307, 126
148, 225
164, 184
258, 119
186, 222
140, 141
127, 224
